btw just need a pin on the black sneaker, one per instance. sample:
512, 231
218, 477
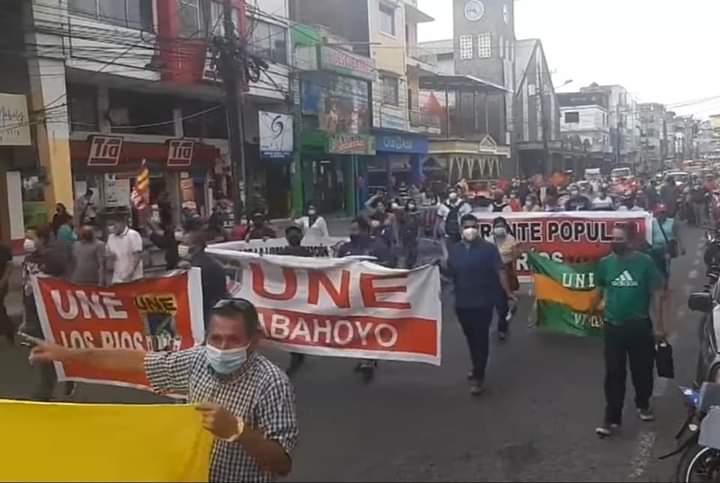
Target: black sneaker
647, 415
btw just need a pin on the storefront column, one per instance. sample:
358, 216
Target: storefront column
49, 95
350, 174
297, 207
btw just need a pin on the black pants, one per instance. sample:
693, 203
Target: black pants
7, 328
411, 253
475, 324
634, 342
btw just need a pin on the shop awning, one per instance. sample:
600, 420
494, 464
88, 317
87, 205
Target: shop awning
467, 83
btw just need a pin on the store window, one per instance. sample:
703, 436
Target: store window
269, 41
127, 13
194, 16
390, 90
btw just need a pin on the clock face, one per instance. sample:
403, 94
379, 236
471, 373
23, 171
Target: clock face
474, 10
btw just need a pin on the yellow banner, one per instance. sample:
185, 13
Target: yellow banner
102, 442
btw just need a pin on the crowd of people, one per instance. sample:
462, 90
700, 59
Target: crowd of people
253, 418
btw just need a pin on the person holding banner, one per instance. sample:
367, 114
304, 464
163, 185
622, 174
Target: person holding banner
313, 226
246, 402
507, 245
629, 284
480, 282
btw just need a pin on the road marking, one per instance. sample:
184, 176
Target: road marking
642, 456
693, 274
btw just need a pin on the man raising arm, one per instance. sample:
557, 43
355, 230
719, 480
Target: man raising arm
247, 403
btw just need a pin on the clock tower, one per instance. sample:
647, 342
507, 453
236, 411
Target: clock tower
485, 39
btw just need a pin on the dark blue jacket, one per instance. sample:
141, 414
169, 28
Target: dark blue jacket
475, 268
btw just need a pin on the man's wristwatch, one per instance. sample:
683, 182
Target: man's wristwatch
240, 430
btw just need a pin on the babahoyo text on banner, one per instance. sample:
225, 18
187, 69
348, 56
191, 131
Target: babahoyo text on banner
157, 314
342, 307
566, 237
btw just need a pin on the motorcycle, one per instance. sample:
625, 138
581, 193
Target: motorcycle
699, 436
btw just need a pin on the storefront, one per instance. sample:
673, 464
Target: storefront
398, 160
468, 160
334, 170
181, 168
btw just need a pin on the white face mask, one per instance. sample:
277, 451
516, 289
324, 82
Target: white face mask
29, 246
312, 212
470, 234
453, 197
112, 229
500, 232
179, 235
226, 361
184, 251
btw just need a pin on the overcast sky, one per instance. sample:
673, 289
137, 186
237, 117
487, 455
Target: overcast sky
661, 50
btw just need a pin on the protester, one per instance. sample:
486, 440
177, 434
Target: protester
669, 196
603, 201
88, 259
409, 230
577, 201
449, 214
532, 204
480, 282
651, 194
241, 229
165, 238
245, 401
66, 232
666, 241
629, 284
124, 249
313, 225
260, 230
515, 203
60, 218
192, 252
508, 247
294, 237
6, 326
499, 204
699, 205
552, 204
362, 244
85, 209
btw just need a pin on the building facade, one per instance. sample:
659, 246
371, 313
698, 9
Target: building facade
584, 121
654, 137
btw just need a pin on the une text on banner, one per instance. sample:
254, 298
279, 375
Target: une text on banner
102, 442
567, 237
342, 307
565, 296
154, 314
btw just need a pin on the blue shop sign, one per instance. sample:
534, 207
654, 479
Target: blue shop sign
401, 143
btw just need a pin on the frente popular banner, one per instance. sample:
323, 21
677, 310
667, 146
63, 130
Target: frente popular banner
565, 237
342, 307
157, 314
319, 247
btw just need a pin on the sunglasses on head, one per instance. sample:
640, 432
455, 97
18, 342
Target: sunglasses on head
234, 303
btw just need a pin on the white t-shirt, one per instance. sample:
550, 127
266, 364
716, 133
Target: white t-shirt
318, 229
122, 247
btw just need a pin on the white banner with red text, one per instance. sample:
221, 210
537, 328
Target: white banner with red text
341, 307
565, 237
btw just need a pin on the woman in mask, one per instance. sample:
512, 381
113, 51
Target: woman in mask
241, 228
88, 256
312, 224
260, 229
509, 252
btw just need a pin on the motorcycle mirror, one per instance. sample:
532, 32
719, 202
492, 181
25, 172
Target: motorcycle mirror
701, 302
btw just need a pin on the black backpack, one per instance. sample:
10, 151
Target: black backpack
452, 222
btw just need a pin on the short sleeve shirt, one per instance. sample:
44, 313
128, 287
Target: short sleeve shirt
261, 395
629, 284
123, 247
475, 269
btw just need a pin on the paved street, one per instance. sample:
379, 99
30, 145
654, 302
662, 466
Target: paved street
419, 423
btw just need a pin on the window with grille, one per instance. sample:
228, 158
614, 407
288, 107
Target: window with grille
485, 46
466, 47
572, 117
391, 90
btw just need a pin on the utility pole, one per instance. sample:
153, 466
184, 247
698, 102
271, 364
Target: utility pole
547, 168
233, 59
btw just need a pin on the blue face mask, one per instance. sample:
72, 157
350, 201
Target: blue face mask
226, 361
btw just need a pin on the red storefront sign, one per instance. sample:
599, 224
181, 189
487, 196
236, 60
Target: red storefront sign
180, 153
104, 151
